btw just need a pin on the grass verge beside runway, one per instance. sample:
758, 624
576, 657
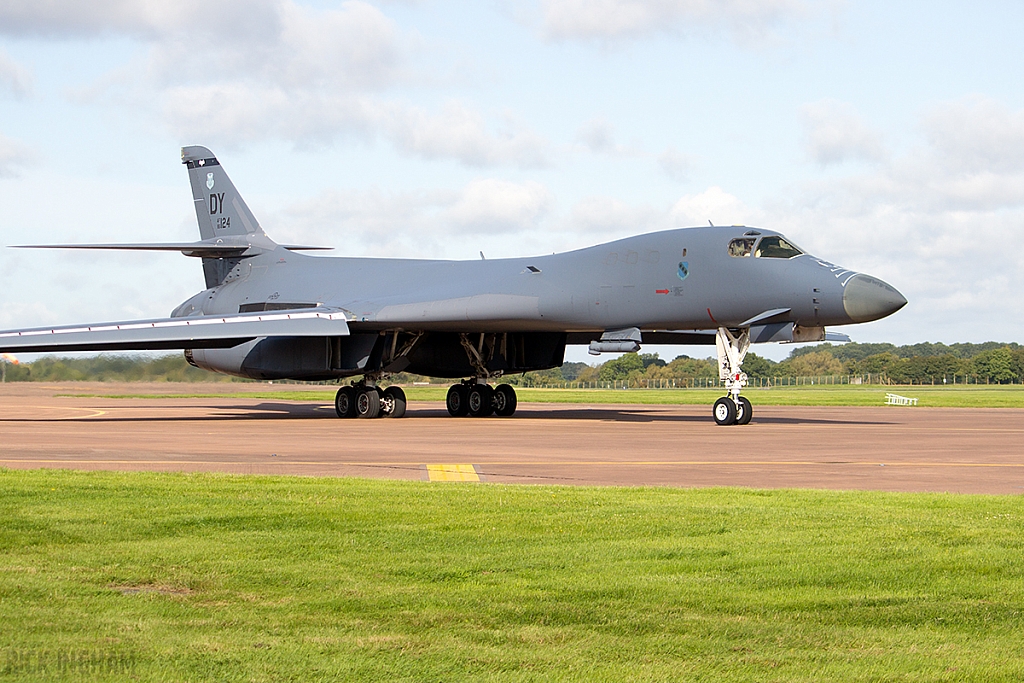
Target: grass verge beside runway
215, 577
970, 396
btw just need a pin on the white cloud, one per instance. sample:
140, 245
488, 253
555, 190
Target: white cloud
977, 134
495, 206
715, 205
14, 156
834, 133
236, 72
426, 223
354, 47
675, 164
461, 133
615, 19
598, 136
606, 218
363, 222
133, 17
236, 113
14, 78
13, 314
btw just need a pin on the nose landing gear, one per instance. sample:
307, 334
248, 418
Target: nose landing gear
732, 409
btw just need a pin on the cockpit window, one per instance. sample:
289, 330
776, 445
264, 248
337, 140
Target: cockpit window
740, 248
775, 247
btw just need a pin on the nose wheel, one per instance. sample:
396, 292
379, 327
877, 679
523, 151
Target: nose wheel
744, 411
729, 412
724, 411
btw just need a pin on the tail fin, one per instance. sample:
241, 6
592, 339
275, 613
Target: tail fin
220, 210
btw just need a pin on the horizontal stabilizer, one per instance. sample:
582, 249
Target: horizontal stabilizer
205, 249
207, 331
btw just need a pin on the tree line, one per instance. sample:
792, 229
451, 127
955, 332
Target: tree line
928, 362
989, 362
111, 368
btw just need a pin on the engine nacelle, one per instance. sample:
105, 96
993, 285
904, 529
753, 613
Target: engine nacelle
224, 361
308, 358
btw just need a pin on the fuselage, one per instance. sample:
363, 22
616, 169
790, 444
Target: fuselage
687, 278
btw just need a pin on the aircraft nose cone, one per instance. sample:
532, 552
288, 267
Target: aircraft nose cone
867, 298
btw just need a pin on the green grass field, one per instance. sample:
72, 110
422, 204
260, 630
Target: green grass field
970, 396
170, 577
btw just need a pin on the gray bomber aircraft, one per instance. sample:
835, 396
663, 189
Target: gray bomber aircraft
270, 313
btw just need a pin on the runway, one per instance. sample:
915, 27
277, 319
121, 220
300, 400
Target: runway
883, 448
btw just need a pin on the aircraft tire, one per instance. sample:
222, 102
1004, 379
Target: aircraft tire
480, 400
505, 400
368, 403
345, 402
724, 411
456, 400
744, 411
395, 398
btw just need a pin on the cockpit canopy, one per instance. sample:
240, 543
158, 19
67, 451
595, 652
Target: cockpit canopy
770, 246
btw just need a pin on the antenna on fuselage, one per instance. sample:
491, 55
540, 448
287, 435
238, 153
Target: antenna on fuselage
710, 223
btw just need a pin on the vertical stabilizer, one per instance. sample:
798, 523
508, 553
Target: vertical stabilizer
220, 210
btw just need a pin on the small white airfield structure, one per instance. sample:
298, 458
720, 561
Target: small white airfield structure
897, 400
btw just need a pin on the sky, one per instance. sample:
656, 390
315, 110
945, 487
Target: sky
885, 137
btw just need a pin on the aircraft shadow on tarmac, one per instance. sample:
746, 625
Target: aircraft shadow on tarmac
293, 411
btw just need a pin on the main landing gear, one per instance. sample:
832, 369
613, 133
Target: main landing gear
732, 409
469, 397
477, 399
365, 401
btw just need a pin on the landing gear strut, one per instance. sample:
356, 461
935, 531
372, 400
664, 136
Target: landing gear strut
477, 399
474, 396
733, 408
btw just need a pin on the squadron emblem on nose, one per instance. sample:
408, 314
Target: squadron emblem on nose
684, 270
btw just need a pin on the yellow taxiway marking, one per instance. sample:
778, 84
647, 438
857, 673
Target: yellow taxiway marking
95, 412
452, 473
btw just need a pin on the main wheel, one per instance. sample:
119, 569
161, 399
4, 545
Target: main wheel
456, 400
744, 411
480, 400
345, 402
368, 403
725, 411
394, 402
505, 400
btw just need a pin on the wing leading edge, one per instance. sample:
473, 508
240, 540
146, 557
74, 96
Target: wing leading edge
178, 333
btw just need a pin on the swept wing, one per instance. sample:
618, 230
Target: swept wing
205, 331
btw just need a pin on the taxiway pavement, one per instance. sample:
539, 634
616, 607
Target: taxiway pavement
883, 448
